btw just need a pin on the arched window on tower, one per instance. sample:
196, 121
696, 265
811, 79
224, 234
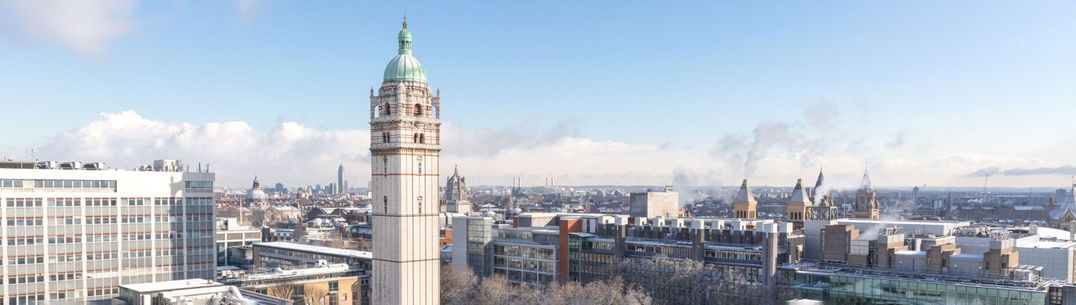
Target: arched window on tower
386, 109
386, 204
418, 109
422, 138
384, 137
414, 138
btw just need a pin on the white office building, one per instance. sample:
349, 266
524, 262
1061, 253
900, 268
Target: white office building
73, 233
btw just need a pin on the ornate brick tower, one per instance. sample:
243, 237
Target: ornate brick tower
745, 206
405, 144
866, 203
799, 205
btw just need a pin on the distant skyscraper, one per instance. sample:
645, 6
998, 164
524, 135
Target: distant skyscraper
405, 150
340, 179
74, 235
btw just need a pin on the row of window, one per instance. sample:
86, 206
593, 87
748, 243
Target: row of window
24, 222
36, 240
60, 295
63, 202
137, 253
25, 260
65, 276
25, 240
74, 202
101, 256
24, 202
102, 291
33, 299
419, 138
65, 240
58, 183
199, 186
386, 109
24, 279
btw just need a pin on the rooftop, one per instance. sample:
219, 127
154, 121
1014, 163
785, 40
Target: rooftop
317, 249
904, 222
171, 285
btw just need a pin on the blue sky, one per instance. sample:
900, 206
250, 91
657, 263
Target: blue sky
897, 86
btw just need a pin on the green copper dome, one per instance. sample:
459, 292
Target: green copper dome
404, 67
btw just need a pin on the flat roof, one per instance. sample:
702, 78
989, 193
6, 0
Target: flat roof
1046, 244
317, 249
903, 222
968, 255
171, 285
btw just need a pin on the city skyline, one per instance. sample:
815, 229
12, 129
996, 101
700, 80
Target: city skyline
255, 98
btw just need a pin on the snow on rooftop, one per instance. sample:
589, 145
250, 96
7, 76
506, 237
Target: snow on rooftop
317, 249
972, 256
171, 285
911, 252
903, 222
1043, 244
1054, 233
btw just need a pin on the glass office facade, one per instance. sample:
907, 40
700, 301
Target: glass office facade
848, 288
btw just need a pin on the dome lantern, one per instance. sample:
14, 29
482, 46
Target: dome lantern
404, 67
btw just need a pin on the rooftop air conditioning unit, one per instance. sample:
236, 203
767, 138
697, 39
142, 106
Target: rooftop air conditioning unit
48, 165
96, 166
71, 165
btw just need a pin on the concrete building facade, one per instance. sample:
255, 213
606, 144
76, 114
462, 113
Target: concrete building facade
652, 204
73, 234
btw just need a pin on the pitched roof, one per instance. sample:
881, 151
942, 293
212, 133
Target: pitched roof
745, 194
1069, 205
798, 193
866, 182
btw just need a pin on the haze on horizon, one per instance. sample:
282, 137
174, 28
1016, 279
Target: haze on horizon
702, 93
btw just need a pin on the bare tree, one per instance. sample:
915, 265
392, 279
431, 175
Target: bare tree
258, 217
685, 281
457, 285
286, 292
461, 286
232, 212
493, 291
314, 295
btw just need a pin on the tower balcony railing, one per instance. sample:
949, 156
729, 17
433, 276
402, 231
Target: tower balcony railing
407, 118
405, 145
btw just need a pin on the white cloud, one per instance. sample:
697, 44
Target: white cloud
299, 155
288, 152
85, 26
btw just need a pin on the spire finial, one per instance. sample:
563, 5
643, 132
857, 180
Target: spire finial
405, 21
